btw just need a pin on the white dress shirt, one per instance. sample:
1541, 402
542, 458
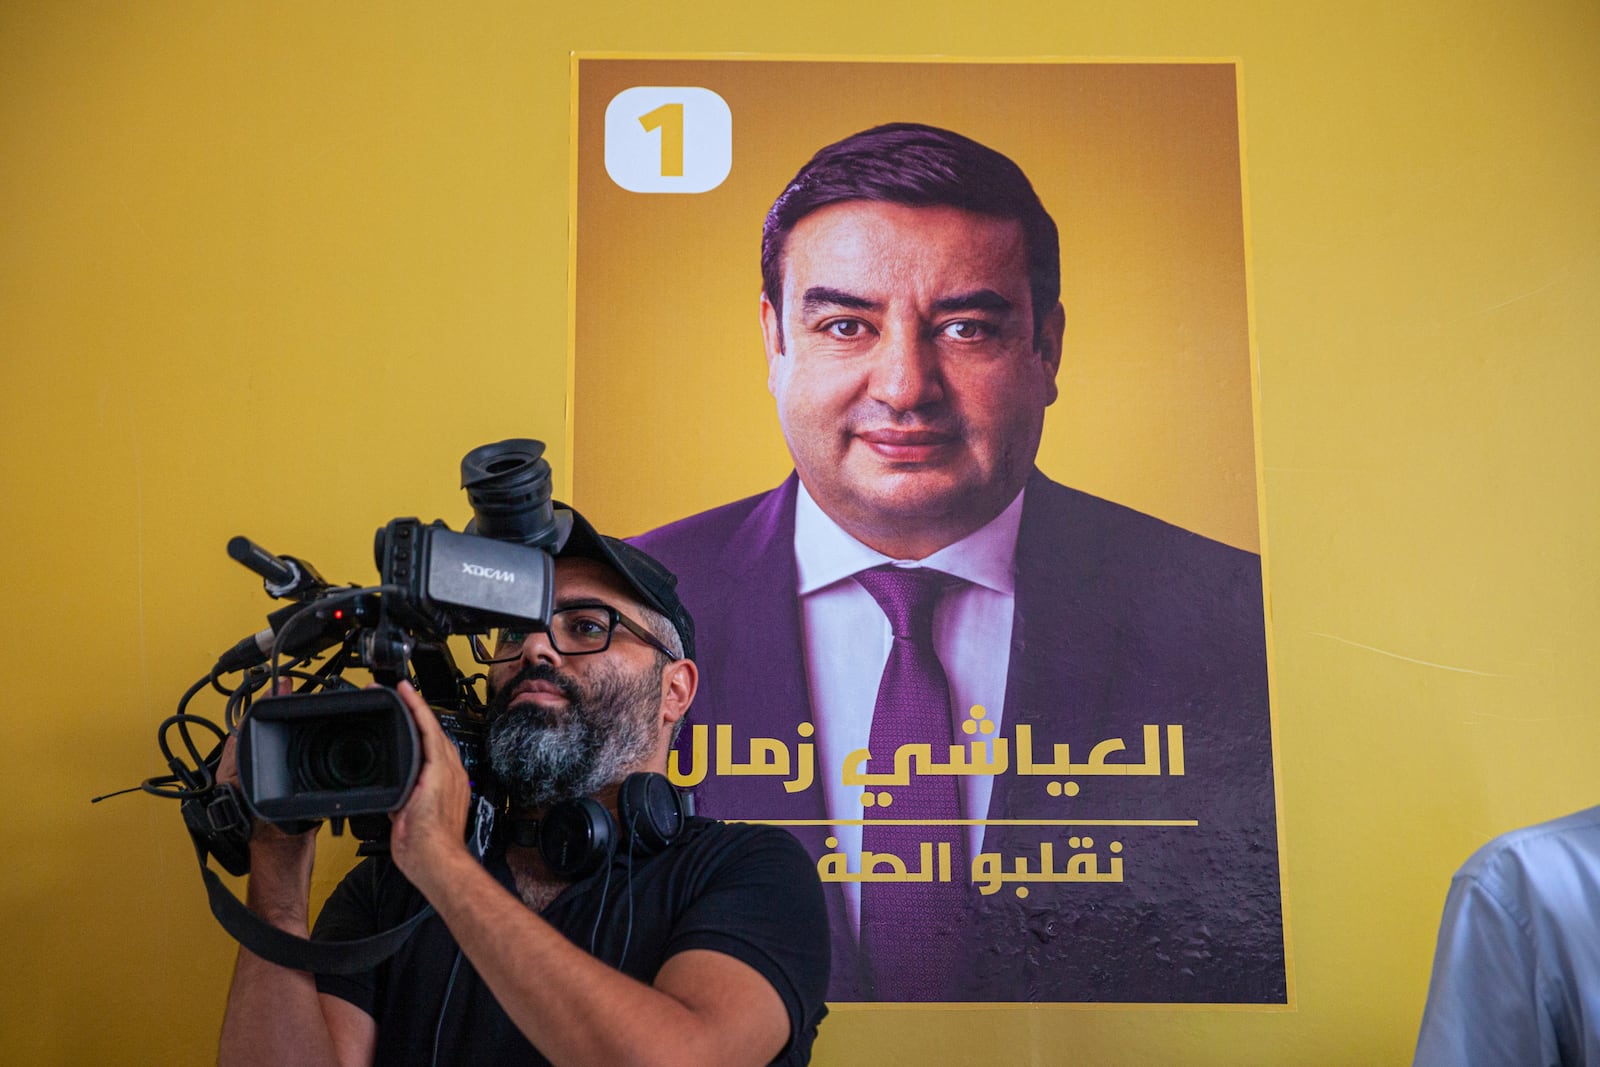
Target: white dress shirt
847, 640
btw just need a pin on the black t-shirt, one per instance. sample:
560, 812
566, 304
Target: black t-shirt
748, 891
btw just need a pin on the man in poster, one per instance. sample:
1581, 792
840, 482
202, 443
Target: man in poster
917, 582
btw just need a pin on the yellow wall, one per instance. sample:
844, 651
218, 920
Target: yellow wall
271, 268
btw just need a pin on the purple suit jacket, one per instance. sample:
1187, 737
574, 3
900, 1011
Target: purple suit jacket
1121, 620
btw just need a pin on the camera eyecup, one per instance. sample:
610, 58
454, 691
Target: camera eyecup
508, 485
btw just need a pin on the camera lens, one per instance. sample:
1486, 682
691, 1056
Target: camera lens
351, 761
316, 755
339, 755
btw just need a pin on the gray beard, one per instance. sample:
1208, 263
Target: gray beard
542, 755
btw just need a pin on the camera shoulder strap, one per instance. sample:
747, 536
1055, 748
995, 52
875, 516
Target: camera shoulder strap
302, 954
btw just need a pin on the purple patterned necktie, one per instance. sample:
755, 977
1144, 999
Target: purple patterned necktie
911, 931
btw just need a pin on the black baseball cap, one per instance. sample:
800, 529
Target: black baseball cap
647, 576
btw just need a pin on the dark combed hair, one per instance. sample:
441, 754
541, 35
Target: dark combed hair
919, 166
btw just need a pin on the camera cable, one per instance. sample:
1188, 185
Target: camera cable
449, 987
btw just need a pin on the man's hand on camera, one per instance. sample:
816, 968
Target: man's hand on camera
429, 830
280, 863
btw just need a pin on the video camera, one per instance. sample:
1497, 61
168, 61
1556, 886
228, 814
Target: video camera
332, 750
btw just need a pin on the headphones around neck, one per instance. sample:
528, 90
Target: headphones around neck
578, 837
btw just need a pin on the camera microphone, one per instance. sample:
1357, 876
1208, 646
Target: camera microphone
283, 576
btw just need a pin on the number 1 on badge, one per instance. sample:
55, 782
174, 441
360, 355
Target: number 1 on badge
668, 139
668, 118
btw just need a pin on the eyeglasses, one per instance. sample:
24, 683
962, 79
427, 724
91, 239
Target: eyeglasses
581, 630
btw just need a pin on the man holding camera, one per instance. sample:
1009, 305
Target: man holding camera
692, 941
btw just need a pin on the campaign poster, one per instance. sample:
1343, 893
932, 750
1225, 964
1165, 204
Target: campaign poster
932, 381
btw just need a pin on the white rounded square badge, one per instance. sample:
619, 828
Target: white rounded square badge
668, 139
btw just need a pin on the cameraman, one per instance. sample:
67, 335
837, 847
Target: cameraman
712, 950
